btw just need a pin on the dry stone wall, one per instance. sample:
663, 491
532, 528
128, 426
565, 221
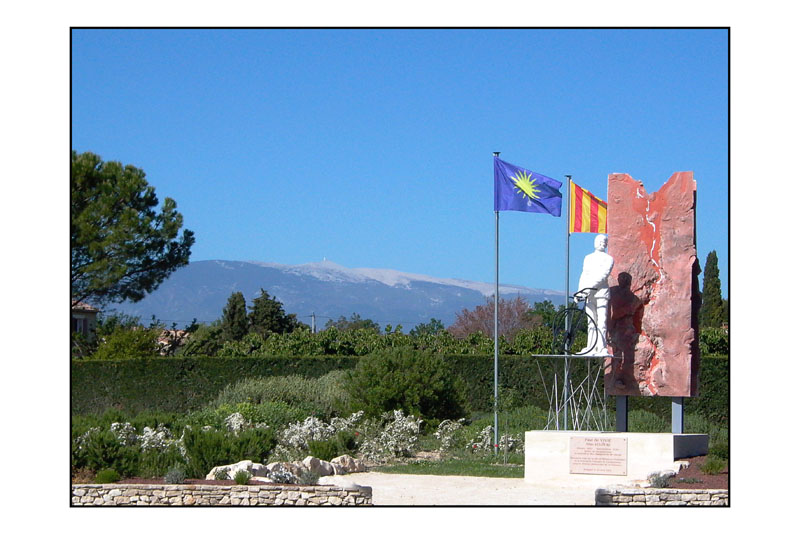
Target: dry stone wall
660, 497
213, 495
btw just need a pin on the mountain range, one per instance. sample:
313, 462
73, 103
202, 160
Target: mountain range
201, 289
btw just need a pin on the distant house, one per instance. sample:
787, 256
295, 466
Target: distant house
171, 340
83, 319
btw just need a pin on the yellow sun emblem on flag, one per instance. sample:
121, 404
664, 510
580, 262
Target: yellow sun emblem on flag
526, 185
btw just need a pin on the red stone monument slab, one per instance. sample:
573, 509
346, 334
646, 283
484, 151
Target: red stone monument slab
655, 295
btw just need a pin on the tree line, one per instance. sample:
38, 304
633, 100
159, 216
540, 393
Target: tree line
122, 248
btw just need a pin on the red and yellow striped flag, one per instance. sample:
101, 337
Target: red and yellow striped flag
587, 213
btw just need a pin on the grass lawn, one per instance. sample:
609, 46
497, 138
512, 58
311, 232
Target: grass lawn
468, 467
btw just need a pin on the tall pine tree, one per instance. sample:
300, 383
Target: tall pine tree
122, 245
712, 311
234, 317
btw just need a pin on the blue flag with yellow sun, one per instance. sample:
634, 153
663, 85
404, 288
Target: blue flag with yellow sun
519, 189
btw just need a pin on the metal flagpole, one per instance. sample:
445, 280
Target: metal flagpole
569, 191
566, 302
496, 296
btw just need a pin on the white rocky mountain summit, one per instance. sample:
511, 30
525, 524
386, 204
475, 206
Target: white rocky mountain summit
328, 290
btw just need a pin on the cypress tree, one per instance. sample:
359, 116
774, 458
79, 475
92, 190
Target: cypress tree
234, 317
712, 311
267, 315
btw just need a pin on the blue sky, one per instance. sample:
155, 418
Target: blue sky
373, 148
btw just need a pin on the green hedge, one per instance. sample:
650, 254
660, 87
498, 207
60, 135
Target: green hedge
185, 384
522, 374
178, 384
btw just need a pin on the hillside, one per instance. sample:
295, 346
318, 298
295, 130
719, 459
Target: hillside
201, 289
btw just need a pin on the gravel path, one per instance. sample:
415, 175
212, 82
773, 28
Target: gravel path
434, 490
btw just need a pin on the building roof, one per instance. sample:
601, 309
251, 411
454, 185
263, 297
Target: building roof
82, 306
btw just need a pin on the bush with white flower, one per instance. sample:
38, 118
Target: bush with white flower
447, 433
281, 475
343, 424
512, 442
125, 433
397, 437
235, 422
484, 441
298, 435
295, 440
159, 438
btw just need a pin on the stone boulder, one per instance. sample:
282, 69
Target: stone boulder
285, 472
255, 469
320, 467
289, 472
347, 464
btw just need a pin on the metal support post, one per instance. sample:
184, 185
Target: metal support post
677, 415
622, 413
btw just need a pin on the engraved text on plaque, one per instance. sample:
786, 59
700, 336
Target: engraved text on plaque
598, 455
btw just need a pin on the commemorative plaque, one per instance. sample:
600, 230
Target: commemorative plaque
598, 455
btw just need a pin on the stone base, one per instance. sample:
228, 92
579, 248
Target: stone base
547, 455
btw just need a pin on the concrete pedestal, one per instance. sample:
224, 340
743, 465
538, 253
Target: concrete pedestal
547, 455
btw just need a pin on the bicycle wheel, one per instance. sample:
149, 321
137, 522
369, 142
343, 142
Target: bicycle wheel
572, 333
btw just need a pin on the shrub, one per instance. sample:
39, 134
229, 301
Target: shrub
100, 449
345, 442
323, 396
222, 474
154, 462
324, 450
717, 433
175, 475
82, 346
147, 454
207, 340
275, 414
333, 439
107, 476
416, 382
242, 477
253, 444
154, 419
658, 480
125, 344
516, 420
82, 423
450, 433
205, 450
308, 478
713, 465
83, 476
396, 436
300, 434
282, 475
643, 421
720, 450
713, 341
482, 442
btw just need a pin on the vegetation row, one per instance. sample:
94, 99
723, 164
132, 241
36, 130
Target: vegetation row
387, 406
185, 384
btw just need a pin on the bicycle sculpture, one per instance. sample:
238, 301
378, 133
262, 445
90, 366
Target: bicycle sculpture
577, 400
572, 324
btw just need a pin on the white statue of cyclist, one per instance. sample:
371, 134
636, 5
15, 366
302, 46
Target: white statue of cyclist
594, 286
